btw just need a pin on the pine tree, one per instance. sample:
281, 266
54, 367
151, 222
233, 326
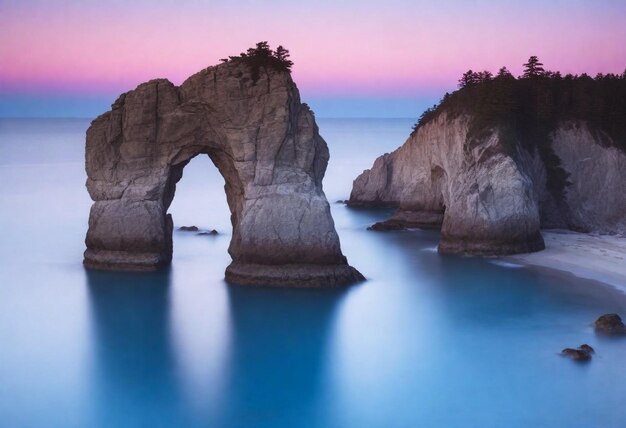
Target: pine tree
282, 55
504, 73
483, 76
262, 49
469, 78
533, 68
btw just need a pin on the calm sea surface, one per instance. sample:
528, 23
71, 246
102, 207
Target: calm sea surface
427, 341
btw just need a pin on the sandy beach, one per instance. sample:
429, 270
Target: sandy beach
597, 257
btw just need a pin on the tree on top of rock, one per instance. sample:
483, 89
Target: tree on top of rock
262, 50
469, 78
282, 55
262, 55
533, 68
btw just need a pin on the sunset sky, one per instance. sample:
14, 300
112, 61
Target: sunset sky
354, 58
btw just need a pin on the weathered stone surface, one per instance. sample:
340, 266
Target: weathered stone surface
610, 324
494, 201
264, 142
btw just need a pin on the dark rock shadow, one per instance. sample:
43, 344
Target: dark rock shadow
133, 373
279, 355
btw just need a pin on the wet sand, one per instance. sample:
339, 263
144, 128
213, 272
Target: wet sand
597, 257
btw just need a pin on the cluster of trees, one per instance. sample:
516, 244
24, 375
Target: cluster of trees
527, 109
263, 56
533, 69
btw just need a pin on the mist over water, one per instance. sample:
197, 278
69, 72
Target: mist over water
428, 340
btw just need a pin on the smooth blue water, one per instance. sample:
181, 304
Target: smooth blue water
428, 340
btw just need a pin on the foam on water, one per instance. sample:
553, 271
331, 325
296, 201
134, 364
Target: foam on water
506, 264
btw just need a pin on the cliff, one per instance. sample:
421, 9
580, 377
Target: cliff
248, 118
495, 162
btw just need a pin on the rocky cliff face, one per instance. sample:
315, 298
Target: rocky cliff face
264, 142
491, 195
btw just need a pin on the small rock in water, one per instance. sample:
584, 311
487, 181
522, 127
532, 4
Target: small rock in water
587, 349
610, 324
210, 232
383, 226
583, 353
188, 228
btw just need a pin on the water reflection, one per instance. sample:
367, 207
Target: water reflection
428, 340
134, 378
279, 357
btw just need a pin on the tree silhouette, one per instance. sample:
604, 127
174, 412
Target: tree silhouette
533, 68
504, 73
469, 78
262, 50
526, 110
263, 57
282, 55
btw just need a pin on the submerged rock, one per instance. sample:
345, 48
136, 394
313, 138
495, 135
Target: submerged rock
583, 353
267, 147
493, 182
384, 226
410, 220
610, 324
587, 349
209, 232
188, 228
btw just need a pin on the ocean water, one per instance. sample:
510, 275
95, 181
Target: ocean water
429, 340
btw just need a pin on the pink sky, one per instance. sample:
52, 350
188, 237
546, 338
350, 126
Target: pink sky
351, 48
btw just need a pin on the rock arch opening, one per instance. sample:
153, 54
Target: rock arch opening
199, 194
265, 144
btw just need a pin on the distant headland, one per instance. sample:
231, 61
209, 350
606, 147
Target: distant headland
503, 157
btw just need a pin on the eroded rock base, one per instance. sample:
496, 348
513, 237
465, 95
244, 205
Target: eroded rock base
125, 260
296, 275
452, 245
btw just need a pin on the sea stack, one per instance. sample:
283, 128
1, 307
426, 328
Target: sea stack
502, 158
246, 115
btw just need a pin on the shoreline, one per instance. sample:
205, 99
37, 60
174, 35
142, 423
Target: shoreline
599, 258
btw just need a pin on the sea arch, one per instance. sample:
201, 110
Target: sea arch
267, 147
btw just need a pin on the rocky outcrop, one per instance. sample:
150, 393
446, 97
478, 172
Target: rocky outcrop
264, 142
490, 193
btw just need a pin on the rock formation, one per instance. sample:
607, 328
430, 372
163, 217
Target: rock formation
481, 171
264, 142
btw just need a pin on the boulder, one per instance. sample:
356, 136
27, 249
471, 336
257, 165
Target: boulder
587, 348
610, 324
583, 353
188, 228
406, 219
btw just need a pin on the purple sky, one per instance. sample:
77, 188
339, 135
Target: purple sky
352, 58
